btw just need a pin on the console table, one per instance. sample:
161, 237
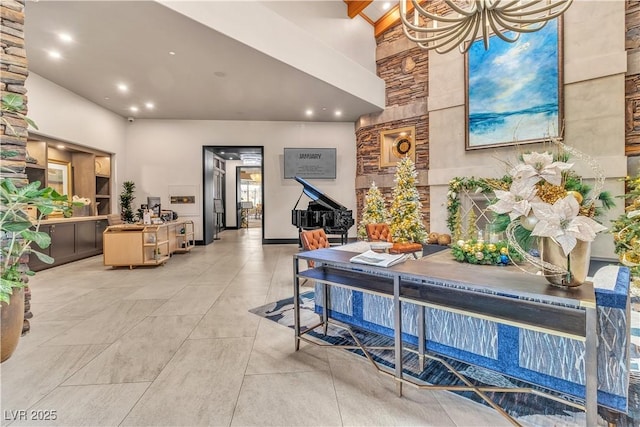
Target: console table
490, 294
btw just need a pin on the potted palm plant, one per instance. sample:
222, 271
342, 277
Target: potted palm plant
18, 231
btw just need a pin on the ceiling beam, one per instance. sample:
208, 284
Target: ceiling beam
355, 7
389, 19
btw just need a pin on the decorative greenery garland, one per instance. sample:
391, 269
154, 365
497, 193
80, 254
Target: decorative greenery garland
479, 185
478, 252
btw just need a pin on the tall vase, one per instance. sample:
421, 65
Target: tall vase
12, 317
577, 262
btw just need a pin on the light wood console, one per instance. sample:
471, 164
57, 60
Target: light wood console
137, 244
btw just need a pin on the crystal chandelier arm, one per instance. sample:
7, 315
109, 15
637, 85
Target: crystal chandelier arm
492, 22
418, 29
472, 11
515, 10
458, 41
431, 37
461, 46
515, 28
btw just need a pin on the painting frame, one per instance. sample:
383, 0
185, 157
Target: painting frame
500, 128
59, 177
396, 144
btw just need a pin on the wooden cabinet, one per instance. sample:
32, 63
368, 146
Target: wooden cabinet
127, 245
71, 240
90, 170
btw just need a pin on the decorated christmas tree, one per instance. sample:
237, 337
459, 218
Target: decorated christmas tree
406, 209
374, 211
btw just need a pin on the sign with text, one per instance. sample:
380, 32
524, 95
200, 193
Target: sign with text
317, 163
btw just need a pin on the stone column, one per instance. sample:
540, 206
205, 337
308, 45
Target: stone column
13, 73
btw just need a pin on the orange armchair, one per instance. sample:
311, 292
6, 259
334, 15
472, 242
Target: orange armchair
381, 232
378, 232
313, 239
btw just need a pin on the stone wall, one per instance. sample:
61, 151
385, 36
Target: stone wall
13, 67
13, 74
404, 68
632, 81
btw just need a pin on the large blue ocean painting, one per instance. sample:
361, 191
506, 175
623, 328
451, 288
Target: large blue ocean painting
513, 89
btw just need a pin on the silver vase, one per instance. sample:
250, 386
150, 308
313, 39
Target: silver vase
577, 262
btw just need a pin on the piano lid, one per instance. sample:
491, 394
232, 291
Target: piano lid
318, 196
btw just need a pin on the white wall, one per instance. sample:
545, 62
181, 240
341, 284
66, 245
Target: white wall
328, 21
274, 34
63, 115
594, 77
169, 152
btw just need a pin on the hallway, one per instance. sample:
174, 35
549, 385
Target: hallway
175, 345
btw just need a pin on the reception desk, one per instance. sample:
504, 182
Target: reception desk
496, 318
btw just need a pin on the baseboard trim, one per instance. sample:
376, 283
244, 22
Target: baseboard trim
279, 241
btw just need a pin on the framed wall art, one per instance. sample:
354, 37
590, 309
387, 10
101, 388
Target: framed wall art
396, 144
514, 90
59, 177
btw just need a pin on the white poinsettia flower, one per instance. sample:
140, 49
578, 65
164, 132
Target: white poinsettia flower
539, 166
516, 202
562, 222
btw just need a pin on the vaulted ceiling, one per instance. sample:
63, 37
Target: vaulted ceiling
181, 68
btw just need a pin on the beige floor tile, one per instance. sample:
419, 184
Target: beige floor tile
366, 397
190, 300
42, 331
466, 412
84, 306
199, 387
140, 354
292, 399
274, 352
28, 377
92, 405
108, 325
249, 376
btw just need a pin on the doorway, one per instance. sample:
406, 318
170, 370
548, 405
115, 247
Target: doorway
249, 194
222, 192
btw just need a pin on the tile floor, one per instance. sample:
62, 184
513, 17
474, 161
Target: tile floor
176, 346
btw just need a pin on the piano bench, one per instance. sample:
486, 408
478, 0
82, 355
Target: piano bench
404, 248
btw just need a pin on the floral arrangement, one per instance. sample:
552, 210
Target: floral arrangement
626, 233
478, 252
547, 199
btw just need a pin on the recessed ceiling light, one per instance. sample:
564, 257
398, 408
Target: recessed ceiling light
386, 5
171, 52
222, 152
65, 37
107, 98
149, 105
338, 113
54, 54
123, 87
60, 146
309, 112
134, 109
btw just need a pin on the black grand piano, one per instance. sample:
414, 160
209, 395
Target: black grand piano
322, 212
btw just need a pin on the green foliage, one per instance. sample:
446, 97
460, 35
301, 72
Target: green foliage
19, 232
626, 230
126, 198
374, 211
406, 210
14, 103
477, 252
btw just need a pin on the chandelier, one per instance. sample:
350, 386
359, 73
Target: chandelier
466, 18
